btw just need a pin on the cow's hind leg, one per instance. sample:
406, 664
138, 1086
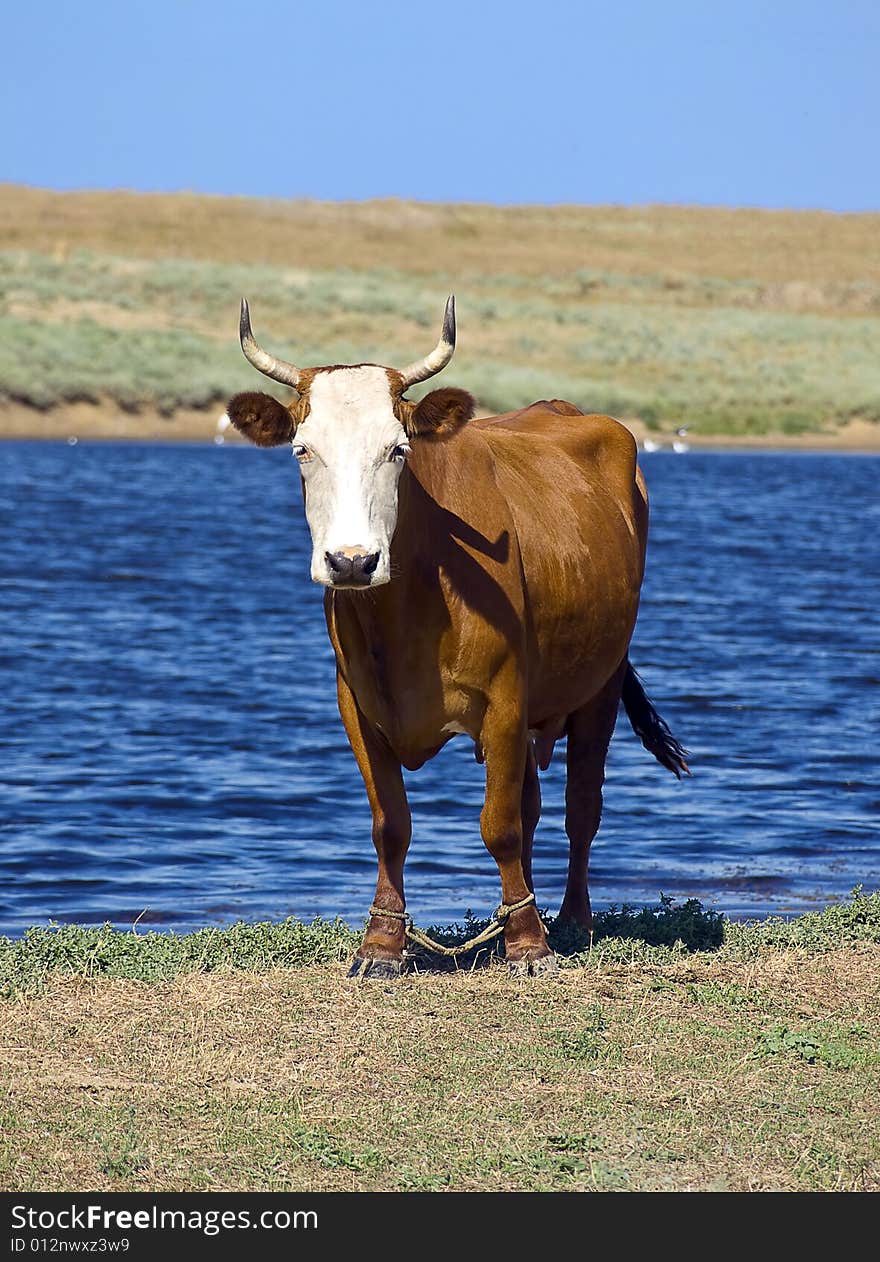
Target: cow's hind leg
589, 734
530, 812
381, 952
501, 825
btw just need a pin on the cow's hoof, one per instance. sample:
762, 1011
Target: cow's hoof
543, 967
546, 966
375, 970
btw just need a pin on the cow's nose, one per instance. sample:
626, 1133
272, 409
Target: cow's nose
352, 568
339, 564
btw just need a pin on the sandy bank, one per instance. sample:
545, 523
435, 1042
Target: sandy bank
108, 422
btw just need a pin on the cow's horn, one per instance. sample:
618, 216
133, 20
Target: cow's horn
277, 369
440, 355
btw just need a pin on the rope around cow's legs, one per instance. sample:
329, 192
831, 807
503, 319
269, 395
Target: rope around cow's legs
495, 927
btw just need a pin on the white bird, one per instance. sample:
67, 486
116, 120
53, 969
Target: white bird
678, 444
650, 445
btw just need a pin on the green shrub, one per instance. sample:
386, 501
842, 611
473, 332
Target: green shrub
723, 356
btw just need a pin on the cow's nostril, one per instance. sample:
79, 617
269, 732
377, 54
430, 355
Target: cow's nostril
369, 563
339, 563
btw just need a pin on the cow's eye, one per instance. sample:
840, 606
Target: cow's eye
302, 453
399, 453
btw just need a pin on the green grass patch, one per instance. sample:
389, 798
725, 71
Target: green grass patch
658, 935
153, 957
122, 1152
855, 920
836, 1049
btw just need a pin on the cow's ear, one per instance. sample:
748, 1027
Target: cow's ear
441, 413
261, 418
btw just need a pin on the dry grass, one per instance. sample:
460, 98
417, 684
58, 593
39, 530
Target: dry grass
702, 1073
806, 248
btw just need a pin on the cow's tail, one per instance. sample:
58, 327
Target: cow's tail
651, 729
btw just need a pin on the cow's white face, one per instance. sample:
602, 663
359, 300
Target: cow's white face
351, 450
349, 429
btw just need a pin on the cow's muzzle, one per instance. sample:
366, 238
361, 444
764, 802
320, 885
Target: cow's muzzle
348, 568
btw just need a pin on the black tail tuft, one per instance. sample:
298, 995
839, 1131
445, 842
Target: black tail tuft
650, 728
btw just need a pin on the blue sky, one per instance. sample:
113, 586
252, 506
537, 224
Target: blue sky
764, 103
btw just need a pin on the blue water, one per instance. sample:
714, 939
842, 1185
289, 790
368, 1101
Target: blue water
170, 742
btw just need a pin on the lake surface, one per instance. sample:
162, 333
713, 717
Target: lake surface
171, 745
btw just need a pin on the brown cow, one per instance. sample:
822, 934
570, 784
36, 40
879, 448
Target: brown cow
480, 579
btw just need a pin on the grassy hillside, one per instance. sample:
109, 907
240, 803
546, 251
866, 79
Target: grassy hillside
680, 1053
731, 322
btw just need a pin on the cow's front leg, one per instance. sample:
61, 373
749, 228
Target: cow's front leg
381, 952
501, 826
